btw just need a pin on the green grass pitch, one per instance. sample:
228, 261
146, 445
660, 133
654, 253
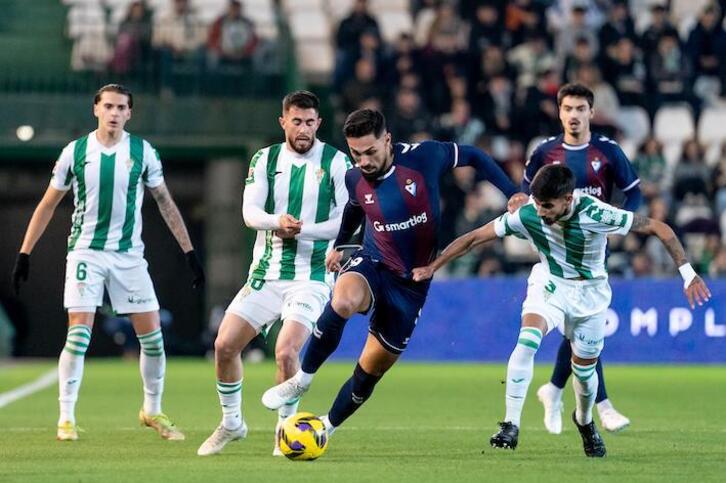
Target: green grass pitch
425, 422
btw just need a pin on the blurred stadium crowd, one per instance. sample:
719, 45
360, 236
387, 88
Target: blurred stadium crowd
482, 72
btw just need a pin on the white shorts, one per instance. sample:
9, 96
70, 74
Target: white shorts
578, 308
262, 302
124, 275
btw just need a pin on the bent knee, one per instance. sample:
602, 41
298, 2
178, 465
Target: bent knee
226, 349
286, 355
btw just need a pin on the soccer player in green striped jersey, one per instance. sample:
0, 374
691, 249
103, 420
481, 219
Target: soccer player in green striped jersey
569, 288
294, 197
107, 170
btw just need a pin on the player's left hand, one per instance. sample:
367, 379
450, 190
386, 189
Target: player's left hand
196, 266
697, 292
517, 200
422, 273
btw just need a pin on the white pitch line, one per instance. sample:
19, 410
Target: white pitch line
25, 390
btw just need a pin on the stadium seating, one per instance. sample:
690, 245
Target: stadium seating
673, 125
635, 124
712, 132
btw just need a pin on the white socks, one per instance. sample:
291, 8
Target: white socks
230, 398
519, 372
152, 363
70, 370
287, 410
304, 378
585, 385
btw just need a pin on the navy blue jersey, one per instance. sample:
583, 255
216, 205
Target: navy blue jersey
598, 165
402, 207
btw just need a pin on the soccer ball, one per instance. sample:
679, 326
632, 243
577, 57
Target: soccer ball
303, 437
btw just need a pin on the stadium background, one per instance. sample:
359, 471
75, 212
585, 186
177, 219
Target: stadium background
484, 75
207, 95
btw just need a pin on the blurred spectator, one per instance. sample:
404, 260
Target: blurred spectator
232, 37
718, 266
179, 30
363, 86
408, 117
627, 74
539, 109
691, 175
405, 59
133, 40
448, 32
494, 63
179, 36
719, 182
459, 126
670, 71
659, 26
523, 19
650, 165
619, 24
559, 14
529, 58
641, 265
606, 106
496, 105
566, 39
353, 26
486, 30
582, 54
706, 49
422, 23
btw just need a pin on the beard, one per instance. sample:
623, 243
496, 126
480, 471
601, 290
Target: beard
302, 146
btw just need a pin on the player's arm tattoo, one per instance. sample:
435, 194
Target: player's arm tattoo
647, 226
172, 216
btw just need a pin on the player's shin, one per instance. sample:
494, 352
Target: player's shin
325, 339
152, 364
519, 372
585, 385
70, 370
352, 395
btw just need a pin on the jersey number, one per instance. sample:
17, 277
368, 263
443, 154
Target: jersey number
81, 271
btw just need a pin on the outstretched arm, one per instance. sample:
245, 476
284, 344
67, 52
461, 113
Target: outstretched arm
172, 217
486, 168
457, 248
694, 286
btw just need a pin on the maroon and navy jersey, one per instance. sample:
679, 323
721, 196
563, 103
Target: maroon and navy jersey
402, 207
598, 165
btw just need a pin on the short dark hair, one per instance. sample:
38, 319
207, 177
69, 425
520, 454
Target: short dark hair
364, 122
118, 88
552, 181
575, 90
302, 100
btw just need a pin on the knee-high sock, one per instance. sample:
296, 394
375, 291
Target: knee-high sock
519, 372
152, 363
326, 337
562, 369
70, 370
352, 395
585, 385
230, 398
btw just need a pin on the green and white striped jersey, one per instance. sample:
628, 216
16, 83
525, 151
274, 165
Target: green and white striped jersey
310, 187
574, 246
108, 188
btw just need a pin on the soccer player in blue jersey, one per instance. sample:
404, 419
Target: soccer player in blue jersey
599, 165
395, 188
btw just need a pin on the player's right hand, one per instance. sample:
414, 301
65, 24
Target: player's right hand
20, 271
332, 260
289, 226
697, 292
422, 273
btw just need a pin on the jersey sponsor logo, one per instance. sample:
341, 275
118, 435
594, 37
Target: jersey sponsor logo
410, 187
404, 225
595, 191
368, 199
596, 164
